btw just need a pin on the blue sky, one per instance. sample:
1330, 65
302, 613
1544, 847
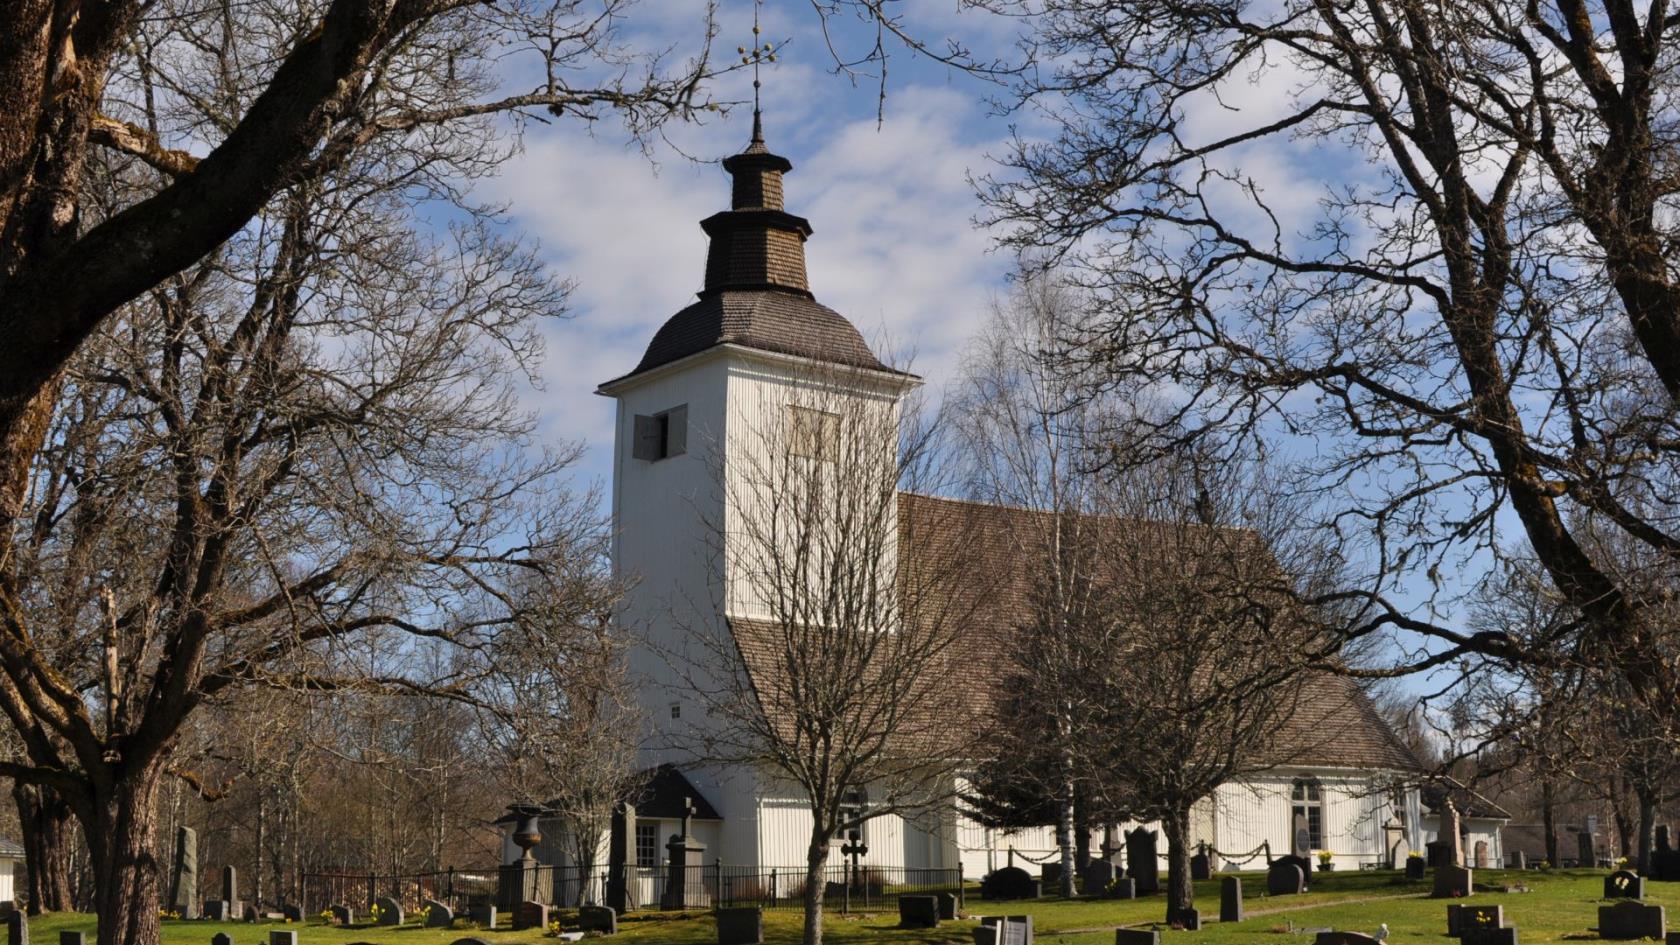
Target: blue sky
894, 248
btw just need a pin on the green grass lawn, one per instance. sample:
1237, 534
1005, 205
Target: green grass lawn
1561, 905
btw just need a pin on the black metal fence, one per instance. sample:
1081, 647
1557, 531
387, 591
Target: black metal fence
845, 888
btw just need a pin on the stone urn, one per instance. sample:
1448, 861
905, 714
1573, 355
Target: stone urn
527, 830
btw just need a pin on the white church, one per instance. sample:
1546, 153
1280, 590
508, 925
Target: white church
729, 361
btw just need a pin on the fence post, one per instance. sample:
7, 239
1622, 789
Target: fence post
717, 878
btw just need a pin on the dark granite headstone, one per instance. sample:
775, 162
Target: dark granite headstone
1452, 882
250, 914
278, 937
218, 910
1344, 938
1143, 864
342, 914
918, 912
947, 906
1584, 850
1123, 888
1230, 899
1624, 884
1284, 878
1050, 874
1201, 867
17, 928
1464, 917
530, 915
1190, 920
484, 915
1011, 882
1303, 862
387, 911
1415, 867
221, 938
743, 925
1630, 919
1488, 936
1094, 879
438, 915
183, 879
230, 884
292, 913
1137, 937
68, 937
603, 919
469, 940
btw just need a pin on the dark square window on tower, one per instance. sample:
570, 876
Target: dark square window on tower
647, 843
661, 435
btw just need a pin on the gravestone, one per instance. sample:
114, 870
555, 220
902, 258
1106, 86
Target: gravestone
918, 912
1584, 854
221, 938
1143, 864
1415, 867
1488, 935
387, 911
684, 862
1137, 937
72, 938
1665, 860
278, 937
1344, 938
230, 893
530, 915
1201, 867
1230, 899
1452, 882
250, 913
292, 913
1011, 882
1190, 920
1124, 887
742, 925
1008, 929
183, 879
216, 911
1481, 854
342, 915
1050, 874
482, 915
469, 940
1624, 884
1094, 879
1629, 919
947, 906
438, 915
1303, 862
1284, 878
603, 919
1439, 853
1460, 918
17, 928
1300, 838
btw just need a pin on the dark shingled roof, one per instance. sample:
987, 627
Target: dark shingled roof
768, 320
756, 294
1468, 802
1334, 723
663, 792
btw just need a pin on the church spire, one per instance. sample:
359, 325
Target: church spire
756, 244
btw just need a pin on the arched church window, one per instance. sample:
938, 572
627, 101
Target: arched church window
1306, 810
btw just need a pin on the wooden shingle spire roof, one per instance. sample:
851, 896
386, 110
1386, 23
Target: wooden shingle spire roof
756, 293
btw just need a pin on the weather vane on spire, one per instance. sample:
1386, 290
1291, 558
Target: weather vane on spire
758, 54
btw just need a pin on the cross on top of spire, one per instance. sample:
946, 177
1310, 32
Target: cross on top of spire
760, 53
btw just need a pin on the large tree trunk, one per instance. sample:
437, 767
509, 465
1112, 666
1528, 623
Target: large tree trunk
44, 820
1647, 829
1181, 893
1064, 827
1548, 818
816, 863
122, 842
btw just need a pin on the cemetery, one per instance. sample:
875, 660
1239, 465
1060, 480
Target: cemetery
1559, 906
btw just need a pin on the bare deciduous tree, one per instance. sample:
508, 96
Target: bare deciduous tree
828, 672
